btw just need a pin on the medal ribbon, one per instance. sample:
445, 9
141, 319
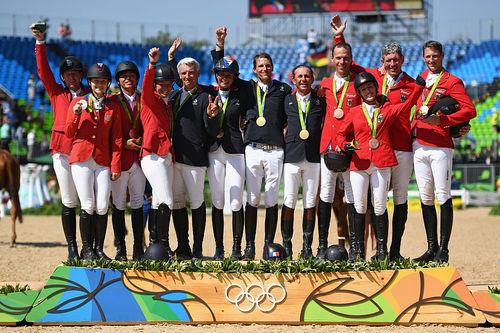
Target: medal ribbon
434, 86
301, 116
334, 91
223, 107
125, 106
260, 102
372, 123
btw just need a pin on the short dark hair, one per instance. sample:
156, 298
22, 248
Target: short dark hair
262, 55
432, 44
343, 46
300, 66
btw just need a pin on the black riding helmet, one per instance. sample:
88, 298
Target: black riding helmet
164, 72
126, 66
99, 71
70, 63
363, 78
228, 64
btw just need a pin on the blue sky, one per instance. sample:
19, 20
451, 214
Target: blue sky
197, 18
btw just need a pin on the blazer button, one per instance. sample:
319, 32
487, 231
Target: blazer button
93, 136
95, 126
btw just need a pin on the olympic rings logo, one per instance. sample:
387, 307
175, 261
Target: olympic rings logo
264, 296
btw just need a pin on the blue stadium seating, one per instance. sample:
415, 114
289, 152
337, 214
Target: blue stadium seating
479, 62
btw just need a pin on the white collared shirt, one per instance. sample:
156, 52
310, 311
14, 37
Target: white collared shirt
370, 109
97, 102
224, 95
130, 99
431, 77
339, 81
303, 101
262, 86
75, 93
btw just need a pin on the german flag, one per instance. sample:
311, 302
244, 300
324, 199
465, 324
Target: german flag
318, 58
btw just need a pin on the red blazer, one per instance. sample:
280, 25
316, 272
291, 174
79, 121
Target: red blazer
60, 97
156, 118
400, 92
383, 156
401, 129
439, 136
332, 124
99, 138
129, 156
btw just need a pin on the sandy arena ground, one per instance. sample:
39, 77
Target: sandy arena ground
474, 250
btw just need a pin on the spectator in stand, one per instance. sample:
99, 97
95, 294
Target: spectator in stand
31, 144
5, 137
312, 38
31, 89
40, 91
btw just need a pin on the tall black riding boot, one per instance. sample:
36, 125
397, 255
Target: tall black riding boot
350, 221
68, 217
324, 215
162, 227
381, 227
86, 231
308, 220
250, 229
445, 233
398, 228
271, 223
118, 220
181, 226
287, 229
152, 227
218, 228
199, 220
238, 224
138, 231
358, 243
430, 223
101, 222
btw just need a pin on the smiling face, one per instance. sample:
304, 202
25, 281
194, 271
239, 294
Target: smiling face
163, 88
433, 59
263, 69
128, 81
73, 79
392, 64
225, 79
303, 80
189, 76
368, 92
99, 87
342, 60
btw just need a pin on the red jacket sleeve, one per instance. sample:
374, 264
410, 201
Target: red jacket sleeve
116, 140
467, 110
44, 72
72, 120
148, 93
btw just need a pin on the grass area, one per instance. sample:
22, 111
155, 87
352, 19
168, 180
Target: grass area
7, 289
229, 265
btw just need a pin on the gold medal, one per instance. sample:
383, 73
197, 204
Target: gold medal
424, 109
220, 134
338, 113
261, 121
304, 134
373, 143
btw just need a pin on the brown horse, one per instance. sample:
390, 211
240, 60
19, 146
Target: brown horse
10, 178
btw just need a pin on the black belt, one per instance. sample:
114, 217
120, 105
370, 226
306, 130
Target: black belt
263, 146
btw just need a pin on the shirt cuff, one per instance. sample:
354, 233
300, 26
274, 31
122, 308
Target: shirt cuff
39, 42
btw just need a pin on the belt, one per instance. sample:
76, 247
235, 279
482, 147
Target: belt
263, 146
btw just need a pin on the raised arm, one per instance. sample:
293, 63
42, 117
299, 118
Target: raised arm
172, 61
42, 63
220, 39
